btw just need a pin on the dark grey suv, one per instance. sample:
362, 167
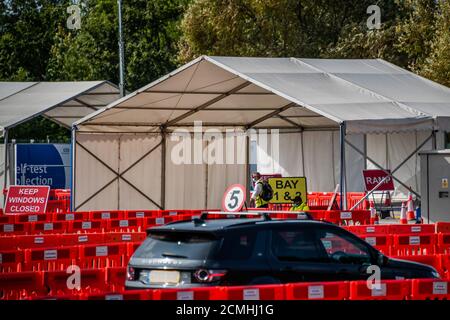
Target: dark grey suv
213, 252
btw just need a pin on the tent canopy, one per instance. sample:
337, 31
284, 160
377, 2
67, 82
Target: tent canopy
369, 95
61, 102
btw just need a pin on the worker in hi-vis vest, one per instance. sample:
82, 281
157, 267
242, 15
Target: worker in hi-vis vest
257, 196
299, 205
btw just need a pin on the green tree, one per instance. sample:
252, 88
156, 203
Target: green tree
437, 65
302, 28
151, 31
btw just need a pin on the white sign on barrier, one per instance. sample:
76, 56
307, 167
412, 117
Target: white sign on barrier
416, 229
414, 240
83, 239
8, 228
140, 214
101, 251
251, 294
379, 291
32, 218
370, 229
185, 295
86, 225
159, 220
346, 215
48, 226
439, 287
39, 240
372, 241
106, 215
50, 254
113, 297
123, 223
70, 217
126, 237
315, 292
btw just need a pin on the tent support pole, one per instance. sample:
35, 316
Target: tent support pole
5, 172
342, 184
163, 169
72, 171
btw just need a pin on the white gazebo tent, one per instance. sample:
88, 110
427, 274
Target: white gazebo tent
61, 102
124, 153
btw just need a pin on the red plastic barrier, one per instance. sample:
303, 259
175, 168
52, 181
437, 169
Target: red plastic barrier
14, 228
420, 244
411, 228
103, 255
388, 290
382, 242
430, 289
189, 294
92, 280
20, 285
130, 214
116, 278
443, 244
318, 291
11, 261
48, 227
49, 259
87, 226
369, 229
106, 214
442, 227
445, 265
121, 295
263, 292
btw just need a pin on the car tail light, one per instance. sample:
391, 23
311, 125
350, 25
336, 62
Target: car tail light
130, 273
203, 275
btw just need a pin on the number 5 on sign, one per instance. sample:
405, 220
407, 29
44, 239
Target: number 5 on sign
234, 198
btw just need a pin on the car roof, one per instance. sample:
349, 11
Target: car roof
217, 225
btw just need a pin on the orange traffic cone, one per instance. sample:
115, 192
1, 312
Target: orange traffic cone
410, 215
373, 214
403, 219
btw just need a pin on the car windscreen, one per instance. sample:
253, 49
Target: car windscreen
177, 245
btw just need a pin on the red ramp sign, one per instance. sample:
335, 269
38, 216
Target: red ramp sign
26, 199
374, 177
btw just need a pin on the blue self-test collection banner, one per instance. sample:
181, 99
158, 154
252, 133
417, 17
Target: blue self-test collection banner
43, 165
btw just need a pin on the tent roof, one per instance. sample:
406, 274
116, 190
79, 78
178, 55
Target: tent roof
61, 102
369, 95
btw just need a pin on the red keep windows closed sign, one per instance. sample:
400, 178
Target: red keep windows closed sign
374, 177
26, 199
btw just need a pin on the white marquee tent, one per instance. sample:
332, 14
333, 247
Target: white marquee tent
61, 102
124, 153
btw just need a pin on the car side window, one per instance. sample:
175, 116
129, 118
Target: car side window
295, 245
343, 249
237, 246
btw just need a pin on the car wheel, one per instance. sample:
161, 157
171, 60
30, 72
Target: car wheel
265, 280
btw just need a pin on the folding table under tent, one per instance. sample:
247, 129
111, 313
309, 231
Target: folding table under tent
61, 102
124, 153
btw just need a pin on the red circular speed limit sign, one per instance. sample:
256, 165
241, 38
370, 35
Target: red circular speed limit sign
234, 198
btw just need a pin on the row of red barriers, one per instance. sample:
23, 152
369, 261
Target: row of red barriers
55, 240
58, 258
125, 225
94, 215
98, 284
398, 228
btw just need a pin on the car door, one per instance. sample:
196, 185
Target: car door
294, 255
347, 256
